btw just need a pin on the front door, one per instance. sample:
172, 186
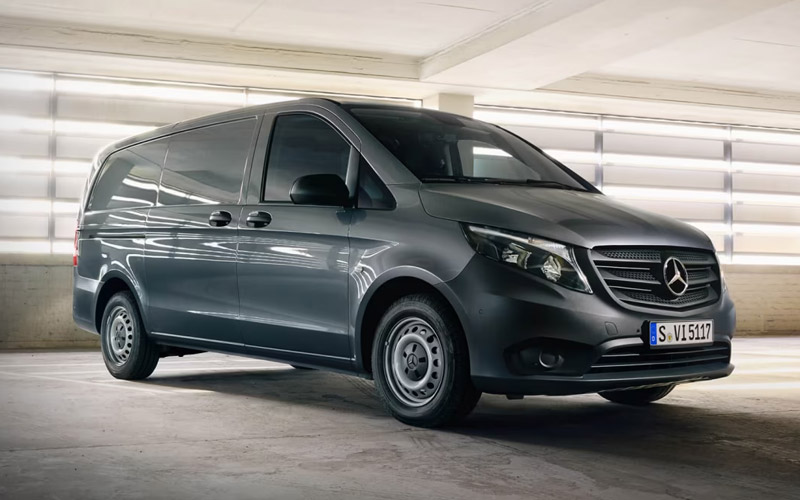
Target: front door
293, 259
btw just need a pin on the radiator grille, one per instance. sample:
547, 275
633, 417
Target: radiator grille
635, 276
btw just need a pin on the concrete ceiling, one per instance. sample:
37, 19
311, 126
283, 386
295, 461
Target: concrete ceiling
413, 28
726, 60
761, 51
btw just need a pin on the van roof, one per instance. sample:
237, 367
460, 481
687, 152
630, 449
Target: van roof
234, 114
211, 119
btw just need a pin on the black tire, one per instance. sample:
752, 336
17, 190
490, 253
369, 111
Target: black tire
446, 363
127, 351
638, 397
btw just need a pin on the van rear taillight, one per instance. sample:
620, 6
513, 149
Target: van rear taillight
75, 251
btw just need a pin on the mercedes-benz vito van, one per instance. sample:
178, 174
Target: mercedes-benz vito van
439, 255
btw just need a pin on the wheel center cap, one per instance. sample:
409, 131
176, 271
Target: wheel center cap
119, 334
416, 361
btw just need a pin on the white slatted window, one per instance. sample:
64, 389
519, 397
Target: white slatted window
766, 196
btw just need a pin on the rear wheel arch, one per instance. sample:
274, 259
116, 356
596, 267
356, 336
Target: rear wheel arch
378, 302
112, 285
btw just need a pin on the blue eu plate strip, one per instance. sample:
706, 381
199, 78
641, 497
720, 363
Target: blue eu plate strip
653, 332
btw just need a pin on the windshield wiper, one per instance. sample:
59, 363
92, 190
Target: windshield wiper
551, 184
497, 180
466, 179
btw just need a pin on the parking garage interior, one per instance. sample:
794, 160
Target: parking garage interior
689, 109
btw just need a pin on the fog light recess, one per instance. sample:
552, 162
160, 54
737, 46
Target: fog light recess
550, 360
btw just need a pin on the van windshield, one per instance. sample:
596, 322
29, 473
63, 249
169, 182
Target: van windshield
440, 147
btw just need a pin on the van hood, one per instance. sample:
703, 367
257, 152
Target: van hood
578, 218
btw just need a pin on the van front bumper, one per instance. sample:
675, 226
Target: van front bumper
512, 318
565, 385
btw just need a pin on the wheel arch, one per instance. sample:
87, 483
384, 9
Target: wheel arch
113, 283
386, 290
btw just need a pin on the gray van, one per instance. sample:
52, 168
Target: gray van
440, 256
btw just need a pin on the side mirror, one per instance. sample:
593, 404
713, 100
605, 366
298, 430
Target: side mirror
320, 189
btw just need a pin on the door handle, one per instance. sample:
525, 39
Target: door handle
219, 218
258, 219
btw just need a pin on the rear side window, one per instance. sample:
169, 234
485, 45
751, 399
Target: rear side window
302, 145
206, 165
129, 178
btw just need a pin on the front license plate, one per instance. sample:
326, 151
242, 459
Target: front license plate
678, 333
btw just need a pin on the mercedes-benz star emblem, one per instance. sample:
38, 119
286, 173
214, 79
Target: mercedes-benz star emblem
411, 361
675, 276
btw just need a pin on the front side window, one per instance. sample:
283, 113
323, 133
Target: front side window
129, 178
302, 145
206, 165
439, 147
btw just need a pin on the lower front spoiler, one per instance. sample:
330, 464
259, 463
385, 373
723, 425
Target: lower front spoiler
565, 385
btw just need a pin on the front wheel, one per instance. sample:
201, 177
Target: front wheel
638, 397
127, 351
421, 363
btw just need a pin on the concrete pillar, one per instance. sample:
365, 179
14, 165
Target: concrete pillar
460, 104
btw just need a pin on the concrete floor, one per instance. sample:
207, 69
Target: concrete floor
214, 427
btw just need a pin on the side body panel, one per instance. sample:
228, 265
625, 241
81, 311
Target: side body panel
191, 270
293, 282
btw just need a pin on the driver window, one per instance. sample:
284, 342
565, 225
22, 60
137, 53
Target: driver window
302, 145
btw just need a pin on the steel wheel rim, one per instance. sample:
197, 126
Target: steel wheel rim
119, 335
414, 362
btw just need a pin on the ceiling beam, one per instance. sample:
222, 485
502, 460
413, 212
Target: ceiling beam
660, 99
678, 92
556, 40
536, 16
91, 40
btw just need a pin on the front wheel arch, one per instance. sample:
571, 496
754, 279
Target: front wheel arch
381, 298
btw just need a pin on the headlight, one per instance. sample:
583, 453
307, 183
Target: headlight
547, 259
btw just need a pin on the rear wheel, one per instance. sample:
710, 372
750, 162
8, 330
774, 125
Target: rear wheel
127, 351
638, 397
421, 363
